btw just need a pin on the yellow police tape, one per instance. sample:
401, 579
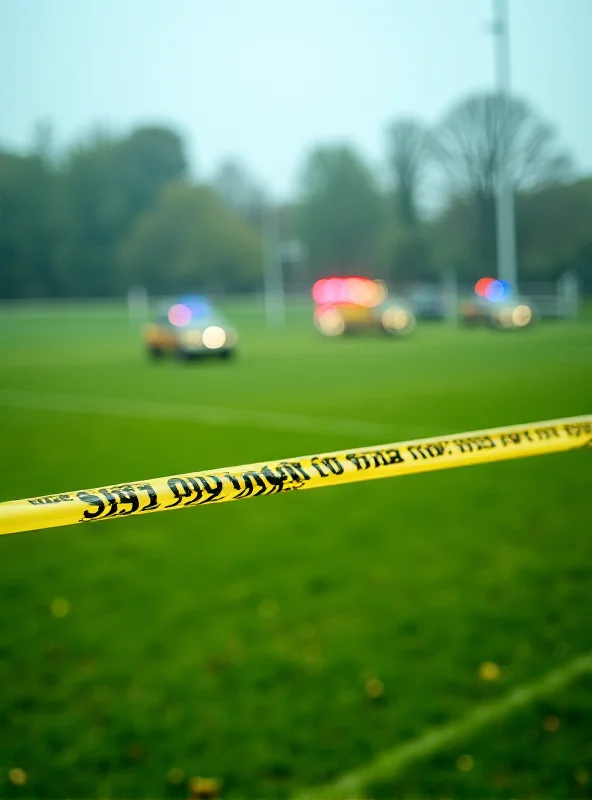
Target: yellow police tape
253, 480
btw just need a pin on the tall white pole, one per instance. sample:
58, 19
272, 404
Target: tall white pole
273, 279
506, 225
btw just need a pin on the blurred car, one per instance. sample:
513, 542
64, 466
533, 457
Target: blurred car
427, 303
351, 304
190, 328
496, 306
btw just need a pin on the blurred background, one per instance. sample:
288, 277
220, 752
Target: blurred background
242, 152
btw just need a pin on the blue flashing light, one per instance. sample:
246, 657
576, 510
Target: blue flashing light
199, 306
497, 290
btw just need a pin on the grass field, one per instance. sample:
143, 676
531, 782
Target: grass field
276, 644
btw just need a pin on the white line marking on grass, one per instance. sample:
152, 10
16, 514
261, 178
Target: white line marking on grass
392, 763
208, 415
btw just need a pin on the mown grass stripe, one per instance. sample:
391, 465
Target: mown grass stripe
207, 415
390, 764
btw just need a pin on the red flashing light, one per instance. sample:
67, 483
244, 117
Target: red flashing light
482, 286
353, 289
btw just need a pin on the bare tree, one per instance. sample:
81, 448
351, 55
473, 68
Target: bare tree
478, 136
484, 131
408, 155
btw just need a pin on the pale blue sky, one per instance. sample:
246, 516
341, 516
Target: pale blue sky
266, 79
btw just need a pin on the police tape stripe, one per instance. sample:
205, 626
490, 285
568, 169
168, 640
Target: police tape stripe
253, 480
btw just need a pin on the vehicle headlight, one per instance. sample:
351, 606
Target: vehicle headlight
397, 319
330, 322
214, 337
521, 316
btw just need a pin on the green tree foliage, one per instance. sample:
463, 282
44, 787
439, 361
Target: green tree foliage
190, 241
405, 255
109, 184
94, 214
454, 234
117, 210
554, 231
144, 163
30, 226
341, 211
121, 209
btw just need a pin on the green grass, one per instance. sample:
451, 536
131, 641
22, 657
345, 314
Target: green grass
541, 751
236, 641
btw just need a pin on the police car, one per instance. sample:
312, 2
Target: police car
191, 327
495, 305
350, 304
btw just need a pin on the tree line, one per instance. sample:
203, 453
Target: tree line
117, 211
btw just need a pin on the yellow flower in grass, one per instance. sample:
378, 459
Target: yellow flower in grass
175, 775
465, 763
17, 776
551, 724
489, 671
374, 688
205, 788
60, 607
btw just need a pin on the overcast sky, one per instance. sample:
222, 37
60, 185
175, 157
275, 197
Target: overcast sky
266, 79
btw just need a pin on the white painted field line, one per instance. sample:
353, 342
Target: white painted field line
208, 415
392, 763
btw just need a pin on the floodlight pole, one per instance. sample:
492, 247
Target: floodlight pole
505, 216
273, 279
